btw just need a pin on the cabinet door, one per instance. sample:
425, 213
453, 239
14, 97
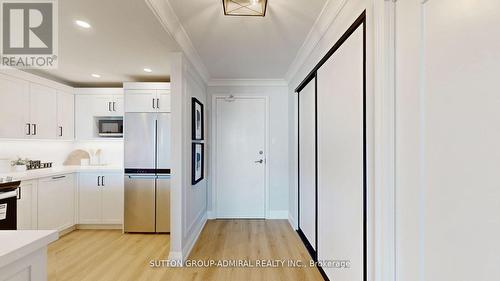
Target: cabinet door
89, 205
140, 101
164, 100
26, 206
65, 116
103, 105
56, 202
112, 199
117, 106
14, 116
66, 189
43, 111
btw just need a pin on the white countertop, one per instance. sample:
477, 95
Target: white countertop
58, 170
16, 244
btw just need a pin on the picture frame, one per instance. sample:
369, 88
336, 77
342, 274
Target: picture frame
197, 163
197, 120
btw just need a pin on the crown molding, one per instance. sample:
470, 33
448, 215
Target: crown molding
247, 82
326, 18
171, 23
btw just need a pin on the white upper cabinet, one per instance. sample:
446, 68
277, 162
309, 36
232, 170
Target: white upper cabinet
163, 101
33, 110
65, 116
95, 102
147, 101
14, 116
147, 97
106, 105
43, 112
140, 101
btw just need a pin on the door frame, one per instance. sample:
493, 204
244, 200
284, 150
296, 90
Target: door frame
213, 150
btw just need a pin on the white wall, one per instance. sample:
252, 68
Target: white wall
278, 157
447, 136
188, 202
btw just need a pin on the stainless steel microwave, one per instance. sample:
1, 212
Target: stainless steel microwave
112, 128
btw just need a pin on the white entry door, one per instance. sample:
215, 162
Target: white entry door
241, 158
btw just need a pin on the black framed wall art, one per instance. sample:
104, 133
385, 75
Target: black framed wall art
198, 120
197, 162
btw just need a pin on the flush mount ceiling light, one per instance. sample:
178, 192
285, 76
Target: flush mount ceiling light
255, 8
95, 75
148, 70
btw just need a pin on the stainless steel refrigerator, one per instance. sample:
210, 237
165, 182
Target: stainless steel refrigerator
147, 172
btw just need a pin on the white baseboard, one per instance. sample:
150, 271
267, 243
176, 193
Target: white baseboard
292, 222
175, 258
211, 215
278, 215
195, 234
100, 226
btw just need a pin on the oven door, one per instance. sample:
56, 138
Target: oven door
8, 210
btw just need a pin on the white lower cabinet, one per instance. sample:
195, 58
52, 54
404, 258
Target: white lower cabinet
100, 198
27, 206
56, 202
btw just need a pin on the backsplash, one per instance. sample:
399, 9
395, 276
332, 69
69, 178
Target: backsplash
56, 151
47, 151
111, 151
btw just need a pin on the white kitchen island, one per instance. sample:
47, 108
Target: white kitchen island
23, 254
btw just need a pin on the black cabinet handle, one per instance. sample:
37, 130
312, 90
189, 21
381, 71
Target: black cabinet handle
59, 177
158, 103
102, 181
98, 182
29, 129
34, 129
109, 106
60, 131
114, 103
19, 193
153, 103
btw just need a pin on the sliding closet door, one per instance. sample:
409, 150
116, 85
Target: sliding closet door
341, 146
307, 165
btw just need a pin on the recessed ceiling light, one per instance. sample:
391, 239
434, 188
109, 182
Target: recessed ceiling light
148, 69
95, 75
82, 23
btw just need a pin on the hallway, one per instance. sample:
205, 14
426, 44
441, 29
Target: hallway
111, 255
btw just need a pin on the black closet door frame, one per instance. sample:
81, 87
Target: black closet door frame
310, 249
360, 21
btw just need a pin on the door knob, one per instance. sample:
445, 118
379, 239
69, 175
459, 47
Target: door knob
260, 161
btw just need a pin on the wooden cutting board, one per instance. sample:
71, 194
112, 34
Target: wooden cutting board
75, 157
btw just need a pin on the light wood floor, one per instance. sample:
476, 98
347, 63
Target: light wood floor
110, 255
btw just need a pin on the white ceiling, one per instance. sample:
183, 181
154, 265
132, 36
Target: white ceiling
247, 47
125, 38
